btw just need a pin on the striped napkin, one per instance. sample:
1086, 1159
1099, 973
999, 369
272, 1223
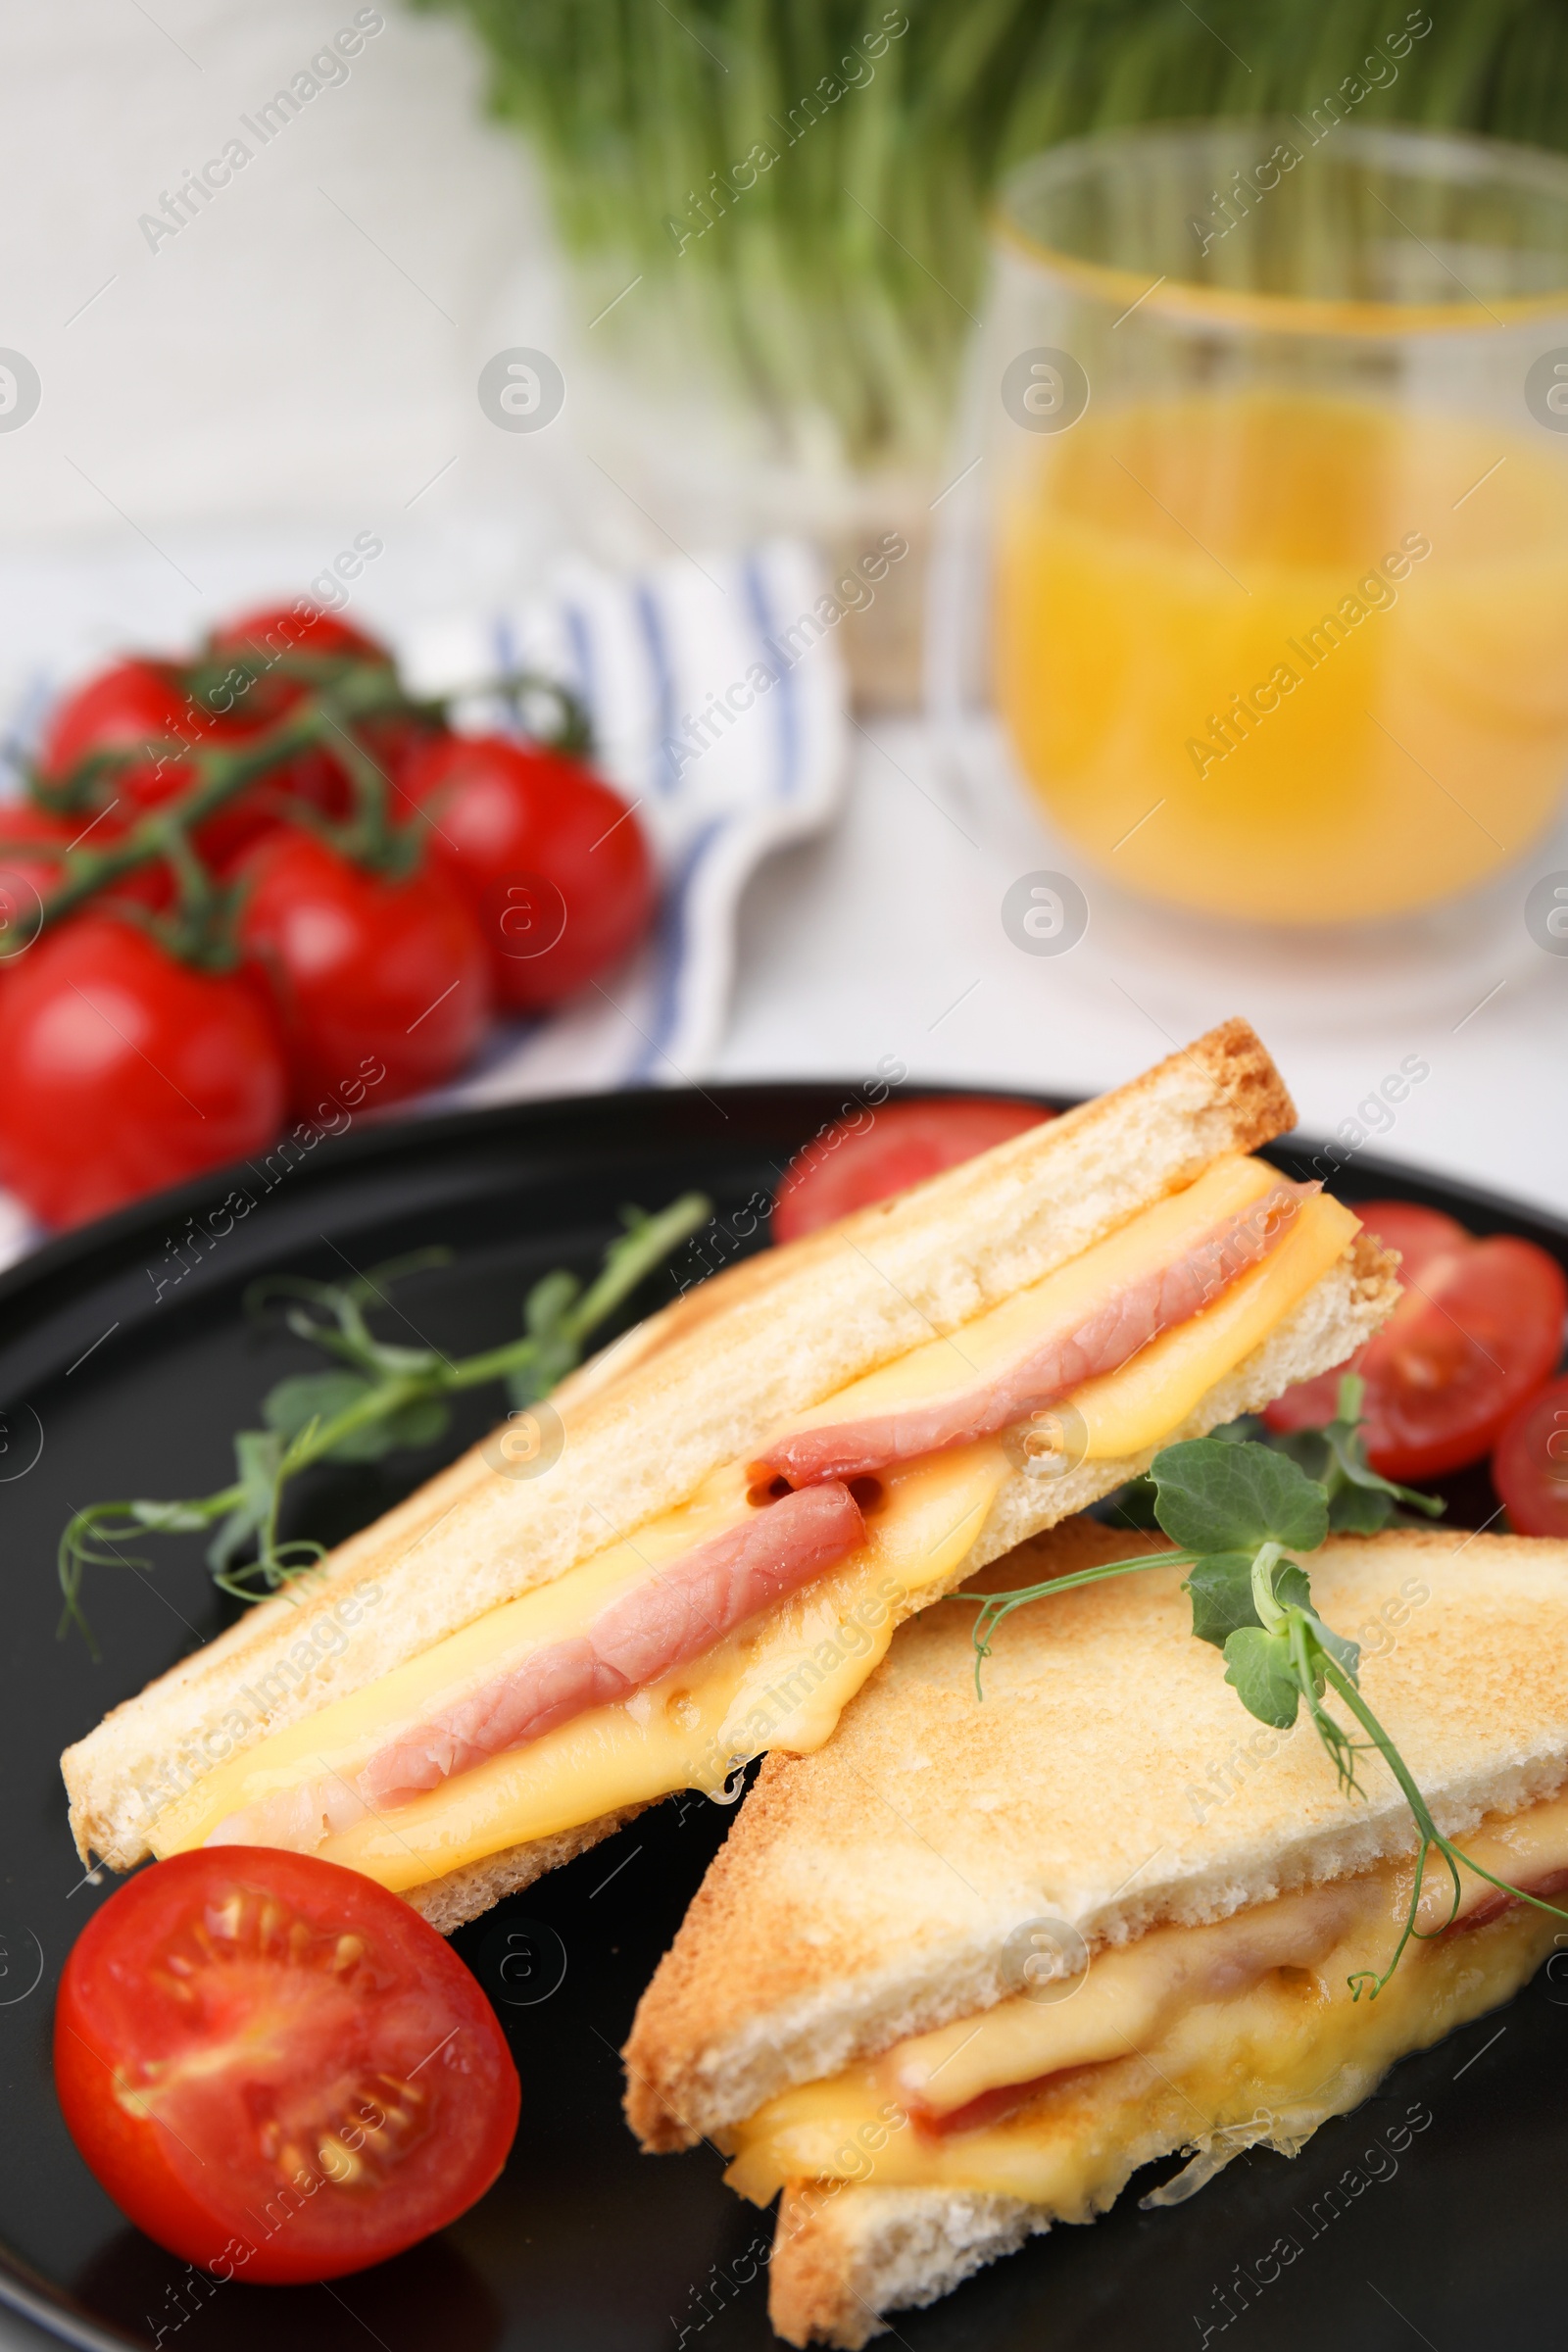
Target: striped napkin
718, 704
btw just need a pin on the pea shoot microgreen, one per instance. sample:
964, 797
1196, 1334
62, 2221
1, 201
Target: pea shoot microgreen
378, 1396
1237, 1510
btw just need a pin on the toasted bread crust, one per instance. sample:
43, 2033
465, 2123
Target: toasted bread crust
700, 1384
464, 1894
843, 2254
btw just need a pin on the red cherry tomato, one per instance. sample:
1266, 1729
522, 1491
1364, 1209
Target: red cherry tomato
1530, 1463
274, 628
142, 706
32, 847
362, 970
122, 1072
246, 703
879, 1153
552, 862
135, 706
272, 632
1478, 1329
276, 2068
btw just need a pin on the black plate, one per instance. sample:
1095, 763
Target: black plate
1432, 2215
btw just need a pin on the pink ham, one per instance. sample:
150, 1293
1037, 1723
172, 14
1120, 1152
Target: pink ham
1111, 1337
675, 1615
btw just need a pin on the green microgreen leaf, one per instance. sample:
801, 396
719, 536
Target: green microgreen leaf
1221, 1590
258, 1457
1347, 1447
1259, 1665
1217, 1496
315, 1396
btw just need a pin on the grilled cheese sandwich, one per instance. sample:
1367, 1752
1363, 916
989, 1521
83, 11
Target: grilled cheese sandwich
956, 1980
545, 1654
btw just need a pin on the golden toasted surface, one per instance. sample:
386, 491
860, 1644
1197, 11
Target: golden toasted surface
1110, 1778
843, 2254
707, 1380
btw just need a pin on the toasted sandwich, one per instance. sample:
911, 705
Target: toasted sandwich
956, 1978
744, 1497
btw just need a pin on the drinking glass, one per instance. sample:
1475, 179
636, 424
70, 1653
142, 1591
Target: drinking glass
1257, 540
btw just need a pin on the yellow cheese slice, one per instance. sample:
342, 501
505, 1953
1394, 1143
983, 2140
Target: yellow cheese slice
1146, 2068
784, 1680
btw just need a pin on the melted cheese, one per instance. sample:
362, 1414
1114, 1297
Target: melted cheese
1218, 2038
1062, 1300
783, 1680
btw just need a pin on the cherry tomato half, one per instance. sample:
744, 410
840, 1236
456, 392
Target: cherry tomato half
1530, 1462
1477, 1331
879, 1153
554, 865
276, 2068
122, 1070
362, 970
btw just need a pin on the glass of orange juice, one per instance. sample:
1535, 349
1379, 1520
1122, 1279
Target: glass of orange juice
1263, 559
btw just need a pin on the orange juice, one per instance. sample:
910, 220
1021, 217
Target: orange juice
1290, 658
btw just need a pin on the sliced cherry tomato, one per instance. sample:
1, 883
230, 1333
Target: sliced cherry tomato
362, 970
876, 1154
276, 2068
122, 1072
552, 862
1478, 1329
1530, 1462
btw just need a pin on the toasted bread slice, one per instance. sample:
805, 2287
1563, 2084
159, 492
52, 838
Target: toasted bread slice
1110, 1779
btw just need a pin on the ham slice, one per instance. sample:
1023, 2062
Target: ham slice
675, 1615
1127, 1322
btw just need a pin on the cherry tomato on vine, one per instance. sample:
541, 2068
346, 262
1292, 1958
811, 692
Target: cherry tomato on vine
1477, 1331
879, 1153
272, 633
122, 1070
278, 2070
32, 846
362, 969
250, 697
143, 706
135, 705
1530, 1463
552, 862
